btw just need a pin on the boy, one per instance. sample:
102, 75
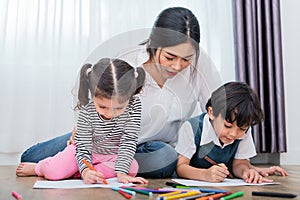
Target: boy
219, 143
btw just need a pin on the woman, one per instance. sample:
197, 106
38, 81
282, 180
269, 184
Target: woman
178, 76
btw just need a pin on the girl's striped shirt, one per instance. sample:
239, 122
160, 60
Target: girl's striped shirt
116, 136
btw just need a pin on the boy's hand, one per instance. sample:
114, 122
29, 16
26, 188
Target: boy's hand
124, 178
91, 176
217, 173
274, 170
252, 176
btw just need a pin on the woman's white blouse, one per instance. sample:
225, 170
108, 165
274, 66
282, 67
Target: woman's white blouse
165, 109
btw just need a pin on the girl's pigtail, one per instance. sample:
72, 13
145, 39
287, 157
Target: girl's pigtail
84, 85
140, 75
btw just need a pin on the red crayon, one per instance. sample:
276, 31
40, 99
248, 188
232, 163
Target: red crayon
16, 195
126, 195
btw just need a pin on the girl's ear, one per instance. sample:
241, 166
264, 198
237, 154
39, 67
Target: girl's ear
210, 113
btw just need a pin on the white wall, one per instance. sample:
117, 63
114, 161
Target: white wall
290, 16
41, 53
291, 44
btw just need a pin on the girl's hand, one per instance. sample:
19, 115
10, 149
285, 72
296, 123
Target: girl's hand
124, 178
274, 170
91, 176
217, 173
252, 176
71, 140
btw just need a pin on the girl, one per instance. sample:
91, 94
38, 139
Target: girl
217, 143
107, 127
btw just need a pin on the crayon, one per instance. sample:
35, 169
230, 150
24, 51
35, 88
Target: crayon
214, 196
206, 190
124, 190
154, 190
273, 194
124, 194
92, 168
177, 196
170, 193
16, 195
196, 196
139, 191
173, 184
234, 195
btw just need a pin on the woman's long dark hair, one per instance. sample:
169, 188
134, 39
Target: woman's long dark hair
172, 27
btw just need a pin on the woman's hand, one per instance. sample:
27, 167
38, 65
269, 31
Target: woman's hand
90, 176
71, 140
124, 178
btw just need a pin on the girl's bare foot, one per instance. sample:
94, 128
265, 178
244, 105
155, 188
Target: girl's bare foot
26, 169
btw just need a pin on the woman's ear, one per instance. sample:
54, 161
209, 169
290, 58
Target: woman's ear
157, 54
210, 113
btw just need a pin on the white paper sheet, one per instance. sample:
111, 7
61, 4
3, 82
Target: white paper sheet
77, 183
226, 182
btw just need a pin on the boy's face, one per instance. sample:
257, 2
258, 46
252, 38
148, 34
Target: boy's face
226, 131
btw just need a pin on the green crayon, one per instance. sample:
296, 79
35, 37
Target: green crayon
234, 195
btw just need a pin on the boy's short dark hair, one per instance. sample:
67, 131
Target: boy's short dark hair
236, 101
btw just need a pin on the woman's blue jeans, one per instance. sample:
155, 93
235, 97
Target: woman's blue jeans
45, 149
156, 159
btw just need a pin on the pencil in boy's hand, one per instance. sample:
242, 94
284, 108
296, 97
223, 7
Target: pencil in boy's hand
92, 168
211, 161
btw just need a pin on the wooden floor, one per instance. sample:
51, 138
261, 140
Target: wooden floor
23, 185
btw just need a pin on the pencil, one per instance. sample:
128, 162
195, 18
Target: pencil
92, 168
211, 161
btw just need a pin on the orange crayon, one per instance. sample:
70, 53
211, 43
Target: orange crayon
92, 168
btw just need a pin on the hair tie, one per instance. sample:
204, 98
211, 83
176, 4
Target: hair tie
88, 71
136, 74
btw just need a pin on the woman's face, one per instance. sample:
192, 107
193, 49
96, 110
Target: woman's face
174, 59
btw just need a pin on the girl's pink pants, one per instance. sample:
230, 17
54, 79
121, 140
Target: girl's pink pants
63, 165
